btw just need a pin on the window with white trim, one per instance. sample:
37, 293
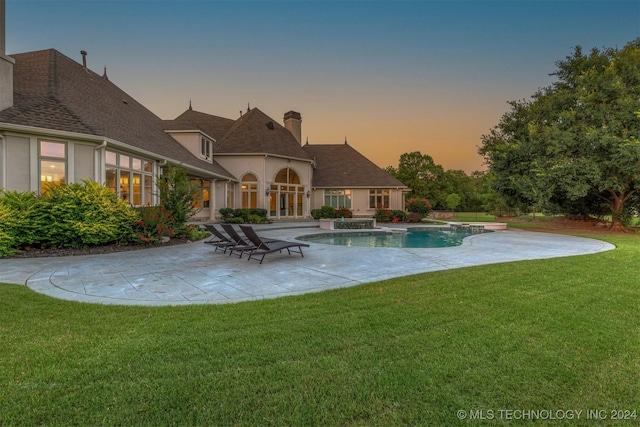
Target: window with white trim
131, 178
53, 164
231, 195
205, 148
203, 186
249, 188
338, 198
379, 198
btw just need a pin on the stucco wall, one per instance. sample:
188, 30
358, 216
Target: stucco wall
83, 163
360, 201
3, 167
190, 141
265, 169
19, 166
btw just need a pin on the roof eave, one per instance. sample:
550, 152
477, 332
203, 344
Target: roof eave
100, 139
280, 156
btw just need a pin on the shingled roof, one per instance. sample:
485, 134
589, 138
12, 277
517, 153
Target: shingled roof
341, 166
253, 133
52, 91
213, 126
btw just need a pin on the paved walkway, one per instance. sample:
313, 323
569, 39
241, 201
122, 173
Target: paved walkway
195, 274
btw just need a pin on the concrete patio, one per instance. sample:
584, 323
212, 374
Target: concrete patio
195, 274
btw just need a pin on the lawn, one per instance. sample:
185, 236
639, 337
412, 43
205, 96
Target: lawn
474, 216
557, 335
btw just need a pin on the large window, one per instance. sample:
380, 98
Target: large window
53, 164
130, 177
249, 188
337, 198
203, 195
231, 195
378, 198
286, 195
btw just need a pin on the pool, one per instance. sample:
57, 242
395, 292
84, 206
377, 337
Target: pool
430, 237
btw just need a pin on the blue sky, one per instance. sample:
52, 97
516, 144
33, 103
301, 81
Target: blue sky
390, 76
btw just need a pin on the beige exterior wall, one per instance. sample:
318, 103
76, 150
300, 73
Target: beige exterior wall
265, 168
18, 168
3, 158
190, 141
21, 172
360, 201
83, 163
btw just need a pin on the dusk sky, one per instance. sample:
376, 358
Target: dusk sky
390, 76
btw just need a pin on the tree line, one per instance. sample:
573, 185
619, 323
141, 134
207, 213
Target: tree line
573, 148
445, 189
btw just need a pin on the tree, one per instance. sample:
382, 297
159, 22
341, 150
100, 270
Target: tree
422, 175
574, 147
177, 196
453, 200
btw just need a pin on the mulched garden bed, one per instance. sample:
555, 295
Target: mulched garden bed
96, 250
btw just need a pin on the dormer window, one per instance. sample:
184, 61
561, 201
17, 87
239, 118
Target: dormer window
205, 148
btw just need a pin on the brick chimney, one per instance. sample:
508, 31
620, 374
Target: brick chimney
6, 66
293, 123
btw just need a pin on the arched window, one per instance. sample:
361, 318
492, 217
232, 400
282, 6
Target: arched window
288, 176
249, 188
286, 194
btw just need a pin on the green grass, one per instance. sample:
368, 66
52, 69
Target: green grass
557, 334
474, 216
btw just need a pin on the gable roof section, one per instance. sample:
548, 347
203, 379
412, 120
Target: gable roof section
52, 91
213, 126
253, 133
341, 166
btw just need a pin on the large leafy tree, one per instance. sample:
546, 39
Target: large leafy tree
427, 179
422, 175
574, 146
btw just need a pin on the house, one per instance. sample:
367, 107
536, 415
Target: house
345, 178
60, 122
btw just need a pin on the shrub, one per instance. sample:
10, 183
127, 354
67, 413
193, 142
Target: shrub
81, 215
154, 222
398, 215
195, 233
343, 213
19, 223
324, 212
234, 220
227, 212
7, 241
253, 216
256, 219
383, 215
414, 217
417, 205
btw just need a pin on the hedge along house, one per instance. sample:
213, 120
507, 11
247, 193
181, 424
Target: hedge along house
60, 122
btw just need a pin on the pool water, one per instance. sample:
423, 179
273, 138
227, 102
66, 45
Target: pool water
413, 238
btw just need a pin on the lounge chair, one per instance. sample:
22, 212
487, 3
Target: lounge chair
219, 240
241, 244
264, 247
